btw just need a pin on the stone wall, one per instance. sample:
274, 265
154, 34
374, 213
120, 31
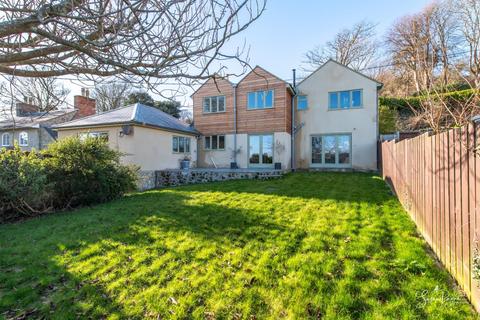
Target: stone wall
164, 178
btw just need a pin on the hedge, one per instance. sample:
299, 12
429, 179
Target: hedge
68, 174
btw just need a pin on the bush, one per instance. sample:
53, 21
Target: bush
67, 174
23, 185
86, 172
387, 119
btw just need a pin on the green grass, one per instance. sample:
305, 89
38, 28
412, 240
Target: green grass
308, 246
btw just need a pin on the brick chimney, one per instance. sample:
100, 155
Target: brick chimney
84, 105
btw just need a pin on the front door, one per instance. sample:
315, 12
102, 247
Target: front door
260, 150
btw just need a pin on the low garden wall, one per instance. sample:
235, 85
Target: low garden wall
164, 178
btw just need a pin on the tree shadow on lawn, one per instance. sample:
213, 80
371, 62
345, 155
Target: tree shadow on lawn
34, 253
176, 253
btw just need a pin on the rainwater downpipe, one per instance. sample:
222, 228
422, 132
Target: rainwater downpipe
235, 125
292, 147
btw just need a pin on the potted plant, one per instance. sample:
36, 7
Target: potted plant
185, 163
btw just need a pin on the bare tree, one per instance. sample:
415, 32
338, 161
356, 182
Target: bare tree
45, 93
111, 95
355, 47
468, 15
148, 39
412, 48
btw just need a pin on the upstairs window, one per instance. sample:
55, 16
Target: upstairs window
302, 102
216, 142
214, 104
345, 99
260, 100
23, 139
5, 139
180, 144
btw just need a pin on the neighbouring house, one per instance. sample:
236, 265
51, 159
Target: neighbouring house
337, 119
31, 128
247, 125
146, 136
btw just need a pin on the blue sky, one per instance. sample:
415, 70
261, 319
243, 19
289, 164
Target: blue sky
288, 29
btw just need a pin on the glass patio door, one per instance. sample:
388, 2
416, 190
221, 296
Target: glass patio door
260, 150
331, 151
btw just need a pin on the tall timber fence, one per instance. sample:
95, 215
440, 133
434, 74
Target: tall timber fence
437, 179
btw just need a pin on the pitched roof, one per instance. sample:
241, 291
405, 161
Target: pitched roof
379, 84
33, 120
258, 67
133, 114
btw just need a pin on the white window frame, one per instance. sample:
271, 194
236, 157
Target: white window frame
322, 164
6, 135
94, 134
302, 96
23, 139
339, 100
217, 98
256, 107
218, 142
186, 144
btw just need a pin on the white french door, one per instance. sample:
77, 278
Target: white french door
260, 150
331, 150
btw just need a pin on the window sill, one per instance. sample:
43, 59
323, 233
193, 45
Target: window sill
214, 149
345, 109
218, 112
252, 109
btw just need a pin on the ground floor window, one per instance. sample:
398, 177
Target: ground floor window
215, 142
260, 150
6, 139
181, 144
23, 139
332, 150
94, 134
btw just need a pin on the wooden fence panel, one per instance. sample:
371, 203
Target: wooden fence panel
436, 178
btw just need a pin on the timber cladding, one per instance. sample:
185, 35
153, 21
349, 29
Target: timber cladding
276, 119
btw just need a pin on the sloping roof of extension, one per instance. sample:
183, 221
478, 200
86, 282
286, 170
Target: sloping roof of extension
33, 120
138, 113
379, 84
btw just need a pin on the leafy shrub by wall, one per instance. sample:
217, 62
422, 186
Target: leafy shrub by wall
387, 119
69, 173
85, 172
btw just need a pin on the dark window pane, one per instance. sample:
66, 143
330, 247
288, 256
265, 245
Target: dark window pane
221, 142
206, 105
333, 100
357, 98
345, 99
175, 144
214, 142
213, 104
207, 142
181, 144
221, 104
187, 144
316, 149
329, 143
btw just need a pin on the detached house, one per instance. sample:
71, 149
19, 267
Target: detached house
333, 115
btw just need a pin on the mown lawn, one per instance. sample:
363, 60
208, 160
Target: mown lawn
308, 246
